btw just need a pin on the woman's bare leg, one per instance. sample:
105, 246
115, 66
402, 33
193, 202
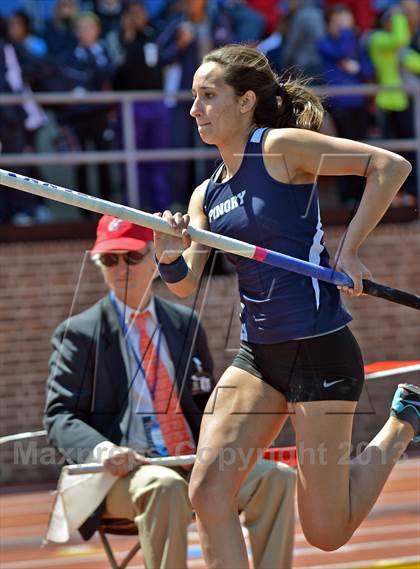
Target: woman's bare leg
335, 493
242, 417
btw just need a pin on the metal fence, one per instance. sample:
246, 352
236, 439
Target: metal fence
130, 156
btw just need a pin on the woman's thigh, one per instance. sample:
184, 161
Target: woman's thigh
323, 434
243, 415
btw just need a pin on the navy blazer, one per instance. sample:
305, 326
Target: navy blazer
88, 389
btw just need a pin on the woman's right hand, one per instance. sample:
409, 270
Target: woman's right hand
169, 248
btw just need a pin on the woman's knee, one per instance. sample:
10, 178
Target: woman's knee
204, 491
210, 496
327, 537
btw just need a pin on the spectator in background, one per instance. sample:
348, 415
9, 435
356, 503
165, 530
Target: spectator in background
30, 51
20, 33
139, 68
382, 5
184, 38
386, 46
58, 32
7, 7
410, 57
109, 13
362, 10
411, 9
271, 12
15, 206
192, 28
156, 10
346, 62
38, 10
247, 23
273, 46
305, 27
88, 68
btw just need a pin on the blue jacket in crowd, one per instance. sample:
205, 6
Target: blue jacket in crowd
333, 51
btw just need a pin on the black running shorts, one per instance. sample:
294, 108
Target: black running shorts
328, 367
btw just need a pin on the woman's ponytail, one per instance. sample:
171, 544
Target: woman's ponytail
299, 107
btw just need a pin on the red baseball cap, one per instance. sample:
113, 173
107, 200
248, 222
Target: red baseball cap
114, 234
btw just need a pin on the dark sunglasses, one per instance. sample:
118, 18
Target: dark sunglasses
130, 258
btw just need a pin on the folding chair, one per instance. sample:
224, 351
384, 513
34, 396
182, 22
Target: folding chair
110, 526
118, 526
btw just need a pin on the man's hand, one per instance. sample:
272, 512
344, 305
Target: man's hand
120, 461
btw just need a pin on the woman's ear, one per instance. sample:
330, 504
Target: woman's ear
248, 101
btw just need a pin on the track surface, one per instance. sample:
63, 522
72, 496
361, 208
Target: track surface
390, 537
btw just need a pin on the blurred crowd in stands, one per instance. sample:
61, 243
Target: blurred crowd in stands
78, 46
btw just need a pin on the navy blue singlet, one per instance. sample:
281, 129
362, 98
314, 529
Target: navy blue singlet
277, 305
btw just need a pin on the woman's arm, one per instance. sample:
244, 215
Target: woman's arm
307, 152
169, 248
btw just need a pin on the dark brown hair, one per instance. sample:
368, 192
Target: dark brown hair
281, 101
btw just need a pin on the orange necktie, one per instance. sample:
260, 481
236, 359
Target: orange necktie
173, 425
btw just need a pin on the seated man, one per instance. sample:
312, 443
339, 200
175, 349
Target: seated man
120, 372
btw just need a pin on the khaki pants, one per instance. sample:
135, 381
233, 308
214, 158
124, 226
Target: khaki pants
156, 499
267, 500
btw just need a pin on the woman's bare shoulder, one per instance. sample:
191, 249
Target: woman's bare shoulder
316, 153
200, 190
279, 137
197, 197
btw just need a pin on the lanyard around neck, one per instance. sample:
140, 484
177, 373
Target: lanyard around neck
135, 351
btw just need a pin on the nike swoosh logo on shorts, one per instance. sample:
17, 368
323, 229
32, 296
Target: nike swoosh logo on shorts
330, 383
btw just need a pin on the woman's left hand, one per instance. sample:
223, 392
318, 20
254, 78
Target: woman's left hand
350, 264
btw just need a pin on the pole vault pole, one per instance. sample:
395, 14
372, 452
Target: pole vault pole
227, 244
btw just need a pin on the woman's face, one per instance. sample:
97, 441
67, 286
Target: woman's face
216, 108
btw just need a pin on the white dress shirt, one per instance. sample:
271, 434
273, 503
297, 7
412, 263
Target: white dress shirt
141, 399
